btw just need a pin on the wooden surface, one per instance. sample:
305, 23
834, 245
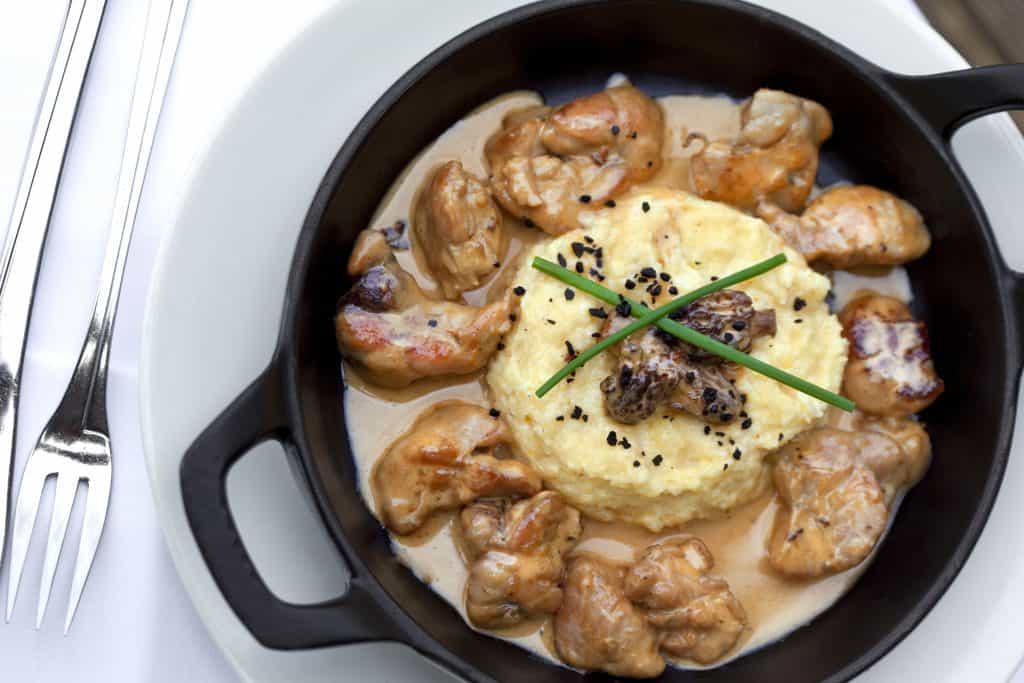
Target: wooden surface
984, 31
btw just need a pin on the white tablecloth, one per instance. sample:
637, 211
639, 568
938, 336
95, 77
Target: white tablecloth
135, 622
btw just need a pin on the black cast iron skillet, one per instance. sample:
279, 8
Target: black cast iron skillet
891, 130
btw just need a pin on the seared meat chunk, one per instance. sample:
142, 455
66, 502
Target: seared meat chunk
774, 159
548, 165
458, 230
398, 334
852, 225
599, 629
890, 371
655, 368
835, 488
518, 569
698, 616
905, 431
447, 459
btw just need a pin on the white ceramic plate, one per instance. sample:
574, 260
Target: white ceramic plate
217, 293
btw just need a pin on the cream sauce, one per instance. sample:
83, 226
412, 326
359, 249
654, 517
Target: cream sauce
377, 416
886, 280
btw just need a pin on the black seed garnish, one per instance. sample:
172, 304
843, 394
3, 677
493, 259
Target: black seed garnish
710, 394
649, 272
657, 460
691, 376
725, 417
585, 198
646, 206
561, 260
569, 294
665, 277
798, 320
501, 346
725, 467
598, 312
727, 337
610, 203
636, 463
707, 430
624, 308
549, 321
570, 351
737, 454
746, 423
512, 317
714, 277
781, 436
612, 438
719, 433
494, 413
595, 335
586, 418
739, 325
577, 412
577, 248
519, 290
560, 418
588, 239
624, 442
599, 252
579, 266
798, 304
615, 130
656, 290
432, 323
673, 290
630, 284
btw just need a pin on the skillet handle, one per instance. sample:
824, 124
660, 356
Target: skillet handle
256, 415
949, 100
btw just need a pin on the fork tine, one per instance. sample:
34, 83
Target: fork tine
63, 501
92, 528
24, 521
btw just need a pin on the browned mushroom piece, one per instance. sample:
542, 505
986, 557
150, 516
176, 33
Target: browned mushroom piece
548, 165
654, 368
890, 371
458, 230
852, 225
517, 570
835, 489
698, 616
446, 460
398, 334
774, 159
599, 629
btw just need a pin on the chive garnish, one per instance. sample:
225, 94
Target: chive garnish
646, 317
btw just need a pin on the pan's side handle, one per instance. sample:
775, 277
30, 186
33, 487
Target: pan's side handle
257, 415
949, 100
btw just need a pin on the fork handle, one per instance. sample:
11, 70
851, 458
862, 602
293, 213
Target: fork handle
364, 613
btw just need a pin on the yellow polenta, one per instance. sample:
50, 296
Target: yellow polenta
700, 474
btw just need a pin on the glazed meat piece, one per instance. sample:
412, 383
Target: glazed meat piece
890, 371
458, 230
698, 616
835, 488
775, 157
398, 334
518, 570
599, 629
654, 368
852, 225
447, 459
548, 165
905, 431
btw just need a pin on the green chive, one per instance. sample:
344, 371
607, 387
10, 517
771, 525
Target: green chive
657, 317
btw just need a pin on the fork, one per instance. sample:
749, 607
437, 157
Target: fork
75, 444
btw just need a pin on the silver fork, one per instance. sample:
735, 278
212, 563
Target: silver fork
75, 444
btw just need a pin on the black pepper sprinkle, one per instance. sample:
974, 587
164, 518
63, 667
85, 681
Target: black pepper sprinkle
519, 290
561, 260
798, 320
610, 203
577, 248
598, 312
673, 290
649, 272
636, 463
612, 438
577, 412
720, 443
501, 346
595, 335
737, 454
719, 433
494, 413
746, 423
569, 294
630, 284
798, 304
569, 349
588, 239
549, 321
707, 430
624, 309
579, 266
586, 418
714, 277
615, 130
655, 290
585, 198
725, 467
432, 323
560, 418
646, 206
624, 442
657, 460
